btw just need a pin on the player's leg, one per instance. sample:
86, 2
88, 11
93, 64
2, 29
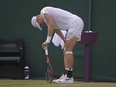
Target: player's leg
65, 59
67, 77
68, 52
69, 57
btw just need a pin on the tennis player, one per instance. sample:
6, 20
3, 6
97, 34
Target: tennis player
58, 19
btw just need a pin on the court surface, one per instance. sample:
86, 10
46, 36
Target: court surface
43, 83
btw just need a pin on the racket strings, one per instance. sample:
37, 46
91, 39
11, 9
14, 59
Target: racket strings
49, 73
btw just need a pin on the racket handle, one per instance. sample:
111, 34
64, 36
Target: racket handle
46, 51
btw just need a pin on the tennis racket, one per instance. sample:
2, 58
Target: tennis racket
49, 70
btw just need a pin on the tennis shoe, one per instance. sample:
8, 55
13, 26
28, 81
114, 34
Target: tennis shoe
64, 79
59, 78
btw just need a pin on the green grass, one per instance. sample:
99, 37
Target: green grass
43, 83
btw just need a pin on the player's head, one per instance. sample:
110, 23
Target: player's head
36, 21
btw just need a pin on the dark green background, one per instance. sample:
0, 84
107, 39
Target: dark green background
15, 22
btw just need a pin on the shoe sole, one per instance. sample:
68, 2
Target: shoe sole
63, 82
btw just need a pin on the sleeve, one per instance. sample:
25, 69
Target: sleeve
43, 11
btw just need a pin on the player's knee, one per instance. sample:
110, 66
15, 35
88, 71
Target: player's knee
68, 47
68, 50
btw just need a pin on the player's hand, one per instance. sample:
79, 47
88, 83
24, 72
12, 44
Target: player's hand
45, 44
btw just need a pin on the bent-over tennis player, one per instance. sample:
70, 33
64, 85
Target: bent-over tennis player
58, 19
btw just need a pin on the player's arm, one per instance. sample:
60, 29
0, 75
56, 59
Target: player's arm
60, 34
50, 24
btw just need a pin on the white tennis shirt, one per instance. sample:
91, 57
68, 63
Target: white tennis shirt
61, 18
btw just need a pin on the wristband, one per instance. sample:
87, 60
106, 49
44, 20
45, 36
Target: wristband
48, 39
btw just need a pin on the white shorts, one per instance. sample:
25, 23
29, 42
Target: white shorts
75, 29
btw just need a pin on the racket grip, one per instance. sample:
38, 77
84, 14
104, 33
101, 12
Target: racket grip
46, 51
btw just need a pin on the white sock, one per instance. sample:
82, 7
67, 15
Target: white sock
69, 69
